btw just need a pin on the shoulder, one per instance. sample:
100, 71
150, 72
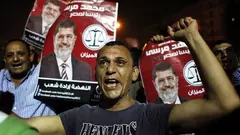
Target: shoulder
78, 112
35, 18
158, 101
3, 73
160, 107
153, 107
48, 57
80, 63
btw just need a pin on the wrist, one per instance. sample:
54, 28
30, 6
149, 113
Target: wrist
193, 39
191, 36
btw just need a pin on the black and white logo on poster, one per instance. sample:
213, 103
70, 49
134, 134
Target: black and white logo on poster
94, 37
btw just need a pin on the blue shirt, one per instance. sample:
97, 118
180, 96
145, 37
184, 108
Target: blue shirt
236, 77
25, 105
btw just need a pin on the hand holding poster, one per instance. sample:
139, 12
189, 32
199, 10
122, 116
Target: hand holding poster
70, 51
171, 75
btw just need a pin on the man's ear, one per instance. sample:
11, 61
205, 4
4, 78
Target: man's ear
153, 83
135, 73
32, 54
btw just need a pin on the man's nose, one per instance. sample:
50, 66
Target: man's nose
111, 69
15, 57
166, 83
52, 11
64, 41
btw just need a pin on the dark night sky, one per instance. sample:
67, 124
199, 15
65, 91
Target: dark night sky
135, 16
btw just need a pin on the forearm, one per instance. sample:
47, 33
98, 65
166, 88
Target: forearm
11, 125
220, 89
47, 125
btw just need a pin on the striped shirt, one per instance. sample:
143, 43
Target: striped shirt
25, 105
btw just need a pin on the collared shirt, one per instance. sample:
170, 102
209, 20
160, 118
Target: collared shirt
178, 100
25, 105
68, 68
236, 77
44, 24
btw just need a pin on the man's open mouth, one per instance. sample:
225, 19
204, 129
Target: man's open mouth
111, 83
17, 66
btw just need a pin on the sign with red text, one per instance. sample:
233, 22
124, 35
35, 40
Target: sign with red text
171, 75
70, 51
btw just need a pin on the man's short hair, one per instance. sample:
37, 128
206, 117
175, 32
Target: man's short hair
218, 42
119, 43
54, 2
162, 66
66, 24
17, 40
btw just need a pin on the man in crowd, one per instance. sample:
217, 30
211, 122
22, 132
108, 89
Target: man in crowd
227, 57
61, 64
20, 78
118, 113
225, 54
165, 81
50, 12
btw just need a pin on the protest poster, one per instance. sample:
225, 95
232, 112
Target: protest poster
169, 74
70, 51
42, 16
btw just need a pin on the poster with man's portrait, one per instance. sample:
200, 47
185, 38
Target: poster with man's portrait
70, 51
42, 16
171, 75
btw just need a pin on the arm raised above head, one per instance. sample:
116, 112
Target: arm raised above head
222, 98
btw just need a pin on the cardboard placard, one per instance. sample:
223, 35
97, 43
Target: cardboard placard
75, 38
168, 72
42, 16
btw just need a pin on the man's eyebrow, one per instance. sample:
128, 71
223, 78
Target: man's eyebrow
117, 58
103, 58
120, 58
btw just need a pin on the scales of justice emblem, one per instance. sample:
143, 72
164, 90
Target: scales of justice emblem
94, 37
191, 74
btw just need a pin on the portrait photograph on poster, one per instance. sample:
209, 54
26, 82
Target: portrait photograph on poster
171, 75
44, 13
67, 66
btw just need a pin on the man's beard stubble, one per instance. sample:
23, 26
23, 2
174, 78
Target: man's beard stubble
63, 54
169, 97
47, 20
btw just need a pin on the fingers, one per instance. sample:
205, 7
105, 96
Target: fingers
182, 23
188, 20
170, 31
157, 38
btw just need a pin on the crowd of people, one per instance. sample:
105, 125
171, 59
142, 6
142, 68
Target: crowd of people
122, 108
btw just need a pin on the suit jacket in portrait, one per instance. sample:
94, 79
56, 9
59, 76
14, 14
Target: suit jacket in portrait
35, 24
80, 70
159, 100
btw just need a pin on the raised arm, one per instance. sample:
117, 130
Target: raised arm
222, 97
47, 125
